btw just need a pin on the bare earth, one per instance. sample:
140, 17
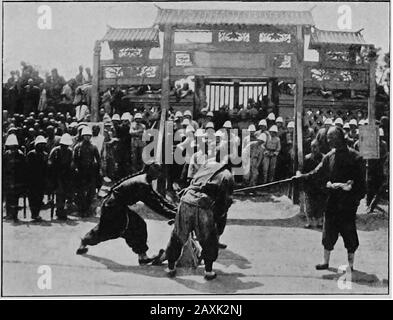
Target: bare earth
269, 252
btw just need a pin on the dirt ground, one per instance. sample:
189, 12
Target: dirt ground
269, 252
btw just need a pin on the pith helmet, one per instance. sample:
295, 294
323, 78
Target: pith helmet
273, 128
66, 139
86, 131
227, 125
271, 116
126, 116
11, 140
138, 116
251, 127
116, 117
187, 113
39, 139
338, 121
291, 124
185, 122
209, 125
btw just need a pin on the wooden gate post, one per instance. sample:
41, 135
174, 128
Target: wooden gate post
165, 90
299, 105
372, 85
95, 82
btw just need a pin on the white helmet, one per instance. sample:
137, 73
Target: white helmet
366, 121
86, 131
262, 137
227, 125
66, 139
115, 117
12, 140
39, 139
338, 121
188, 113
328, 121
381, 133
279, 119
199, 133
273, 128
361, 122
126, 116
219, 133
138, 116
178, 114
291, 124
346, 125
209, 125
251, 127
185, 122
210, 114
271, 116
353, 122
262, 123
189, 129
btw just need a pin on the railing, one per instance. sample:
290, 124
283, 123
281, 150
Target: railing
330, 76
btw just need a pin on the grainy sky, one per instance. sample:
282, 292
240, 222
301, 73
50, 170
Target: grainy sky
76, 26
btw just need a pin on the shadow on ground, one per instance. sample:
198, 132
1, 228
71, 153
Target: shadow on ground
229, 258
225, 283
358, 277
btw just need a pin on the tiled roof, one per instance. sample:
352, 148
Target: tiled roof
140, 35
321, 37
232, 17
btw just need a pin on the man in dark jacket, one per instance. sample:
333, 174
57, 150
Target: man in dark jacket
14, 165
86, 159
342, 171
314, 192
203, 208
36, 172
118, 220
60, 166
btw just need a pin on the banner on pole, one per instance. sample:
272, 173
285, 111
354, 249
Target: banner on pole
369, 142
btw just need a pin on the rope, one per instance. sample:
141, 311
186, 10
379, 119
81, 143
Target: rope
263, 185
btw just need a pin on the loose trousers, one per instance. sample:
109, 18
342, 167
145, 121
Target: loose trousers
119, 221
194, 218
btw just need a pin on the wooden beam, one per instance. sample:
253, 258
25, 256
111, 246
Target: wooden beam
371, 99
299, 95
299, 112
165, 87
95, 82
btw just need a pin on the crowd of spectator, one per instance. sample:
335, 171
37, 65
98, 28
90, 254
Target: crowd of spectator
49, 146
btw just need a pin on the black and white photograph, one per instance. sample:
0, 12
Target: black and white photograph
195, 149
